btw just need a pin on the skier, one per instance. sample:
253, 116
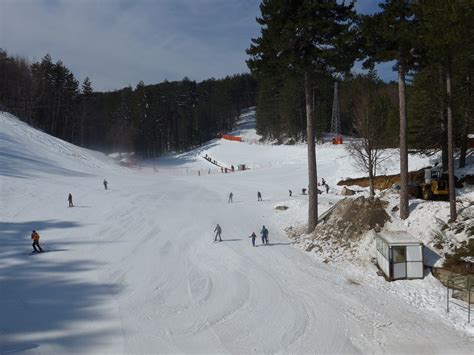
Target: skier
253, 236
259, 196
218, 231
69, 198
264, 233
230, 198
290, 192
325, 185
303, 191
35, 237
105, 184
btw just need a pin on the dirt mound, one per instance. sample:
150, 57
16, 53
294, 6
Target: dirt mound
352, 217
344, 227
383, 182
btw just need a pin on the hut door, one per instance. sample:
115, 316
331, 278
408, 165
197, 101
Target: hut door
399, 262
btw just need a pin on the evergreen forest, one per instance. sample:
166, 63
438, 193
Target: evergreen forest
149, 120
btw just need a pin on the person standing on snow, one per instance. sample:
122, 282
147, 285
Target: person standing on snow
230, 198
290, 192
105, 184
253, 236
218, 231
325, 185
259, 196
69, 198
35, 237
264, 233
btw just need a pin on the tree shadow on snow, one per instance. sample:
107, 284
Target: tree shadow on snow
18, 233
41, 304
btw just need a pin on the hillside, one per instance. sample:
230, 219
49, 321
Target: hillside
134, 269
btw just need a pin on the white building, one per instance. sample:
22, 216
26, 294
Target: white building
399, 255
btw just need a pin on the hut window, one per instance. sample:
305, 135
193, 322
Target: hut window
399, 254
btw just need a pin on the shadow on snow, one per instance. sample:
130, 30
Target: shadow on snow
40, 303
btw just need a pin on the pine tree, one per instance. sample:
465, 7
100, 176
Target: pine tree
390, 35
303, 37
86, 108
446, 30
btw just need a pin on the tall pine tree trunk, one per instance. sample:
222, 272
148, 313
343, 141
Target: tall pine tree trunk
312, 170
404, 212
452, 192
444, 141
465, 125
371, 175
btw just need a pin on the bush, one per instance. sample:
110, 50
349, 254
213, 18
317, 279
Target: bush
454, 261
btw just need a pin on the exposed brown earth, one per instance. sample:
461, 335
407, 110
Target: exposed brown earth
383, 182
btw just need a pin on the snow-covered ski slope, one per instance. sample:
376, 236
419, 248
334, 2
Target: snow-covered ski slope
134, 269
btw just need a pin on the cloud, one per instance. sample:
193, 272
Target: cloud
117, 43
120, 42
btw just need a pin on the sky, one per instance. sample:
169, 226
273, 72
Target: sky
117, 43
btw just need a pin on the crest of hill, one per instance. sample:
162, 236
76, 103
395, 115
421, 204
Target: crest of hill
26, 151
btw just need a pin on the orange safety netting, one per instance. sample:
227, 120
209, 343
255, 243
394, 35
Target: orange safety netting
231, 138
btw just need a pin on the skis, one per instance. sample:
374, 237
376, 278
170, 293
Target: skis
44, 251
36, 252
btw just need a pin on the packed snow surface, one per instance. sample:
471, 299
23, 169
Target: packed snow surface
134, 269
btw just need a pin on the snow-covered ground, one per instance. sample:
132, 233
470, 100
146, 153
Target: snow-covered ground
134, 269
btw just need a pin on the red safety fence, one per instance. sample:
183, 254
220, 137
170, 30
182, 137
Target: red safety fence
231, 138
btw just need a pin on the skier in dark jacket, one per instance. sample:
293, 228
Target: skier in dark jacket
218, 231
290, 192
259, 196
35, 237
69, 198
253, 236
264, 233
231, 195
105, 184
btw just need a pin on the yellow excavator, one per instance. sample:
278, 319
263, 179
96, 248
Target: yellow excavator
435, 184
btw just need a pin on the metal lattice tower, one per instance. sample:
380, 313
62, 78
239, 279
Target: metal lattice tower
336, 117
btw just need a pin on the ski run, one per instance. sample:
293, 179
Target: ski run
135, 269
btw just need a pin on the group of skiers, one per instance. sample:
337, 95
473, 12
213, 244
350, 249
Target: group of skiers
218, 230
35, 236
263, 233
69, 198
231, 197
303, 190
